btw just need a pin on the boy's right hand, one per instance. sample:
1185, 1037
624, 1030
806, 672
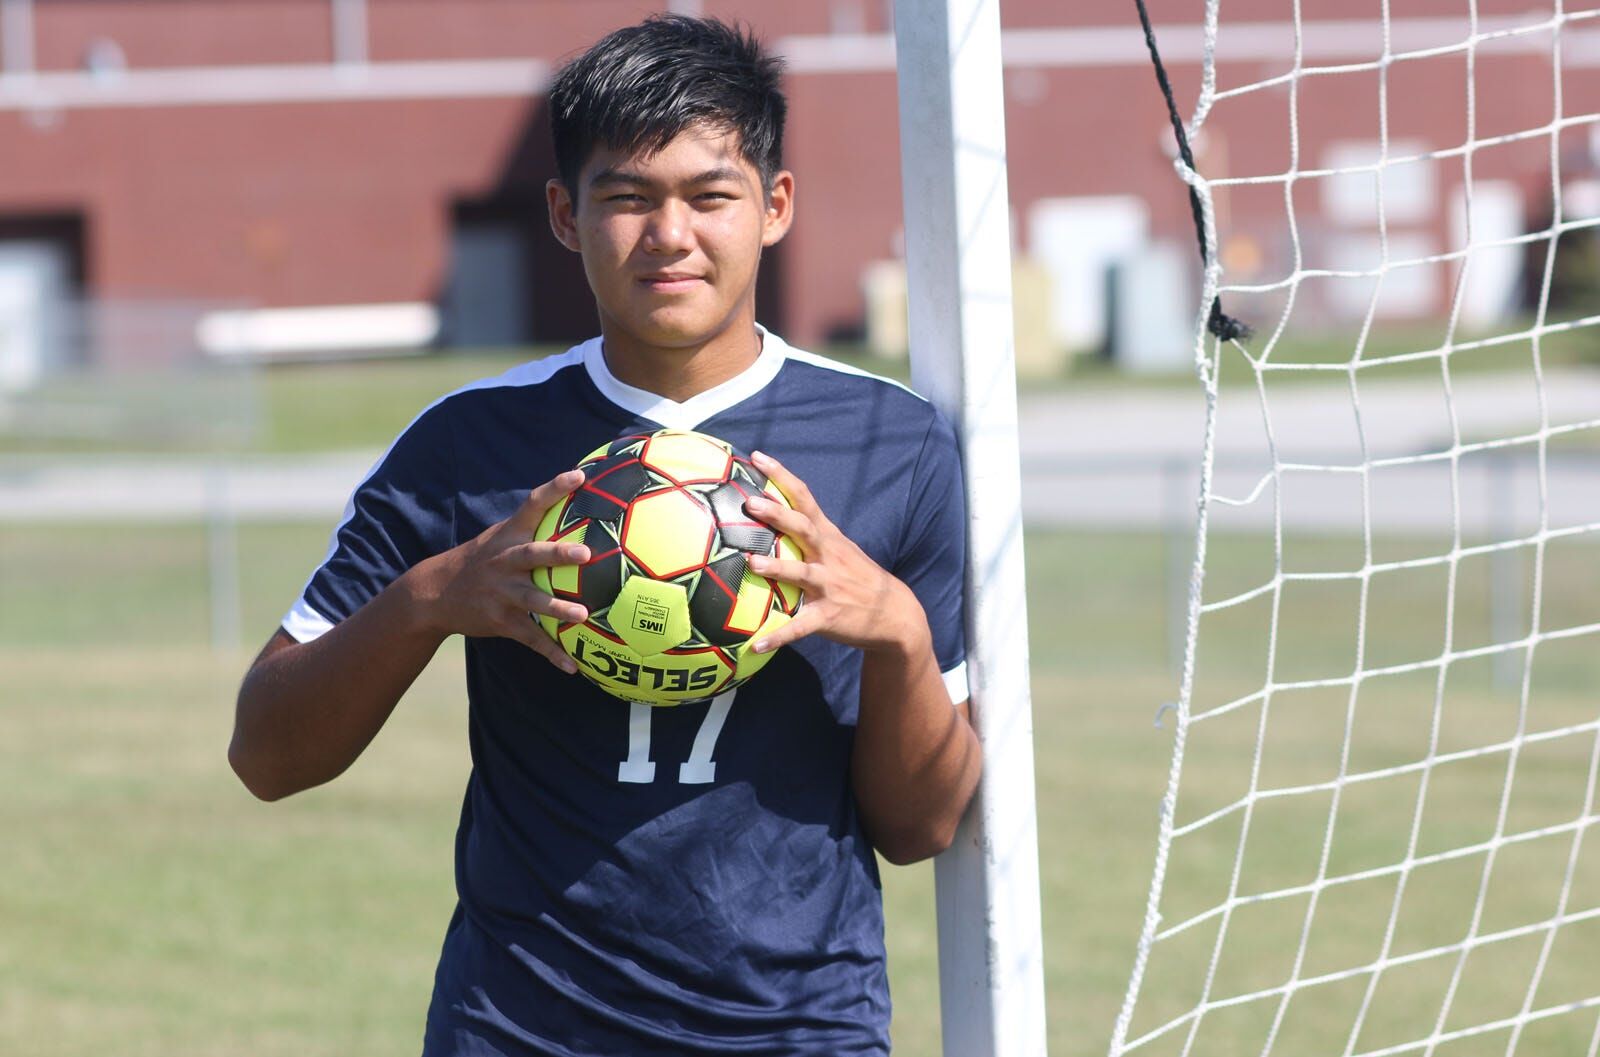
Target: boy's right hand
483, 588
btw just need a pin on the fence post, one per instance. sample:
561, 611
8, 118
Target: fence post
222, 548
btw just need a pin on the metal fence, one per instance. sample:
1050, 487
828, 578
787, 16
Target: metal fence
1148, 494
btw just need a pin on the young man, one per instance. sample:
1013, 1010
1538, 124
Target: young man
612, 901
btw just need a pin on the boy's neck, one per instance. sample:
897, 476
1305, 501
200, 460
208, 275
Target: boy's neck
681, 373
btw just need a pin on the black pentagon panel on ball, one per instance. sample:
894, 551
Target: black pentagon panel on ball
595, 503
601, 538
727, 502
605, 465
568, 518
600, 578
620, 476
627, 445
713, 600
737, 528
745, 471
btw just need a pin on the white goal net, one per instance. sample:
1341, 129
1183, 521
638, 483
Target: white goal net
1376, 838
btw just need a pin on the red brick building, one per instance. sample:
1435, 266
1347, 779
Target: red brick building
329, 152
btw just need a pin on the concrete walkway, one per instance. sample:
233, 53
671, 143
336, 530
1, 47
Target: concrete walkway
1131, 457
113, 487
1095, 457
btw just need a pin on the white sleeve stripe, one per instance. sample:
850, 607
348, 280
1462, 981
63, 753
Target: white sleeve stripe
827, 364
955, 681
304, 623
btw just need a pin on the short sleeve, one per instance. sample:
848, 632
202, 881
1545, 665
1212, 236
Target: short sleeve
402, 513
932, 556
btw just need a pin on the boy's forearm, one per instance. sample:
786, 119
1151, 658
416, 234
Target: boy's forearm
307, 710
917, 758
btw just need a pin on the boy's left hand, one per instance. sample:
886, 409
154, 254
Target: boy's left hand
849, 598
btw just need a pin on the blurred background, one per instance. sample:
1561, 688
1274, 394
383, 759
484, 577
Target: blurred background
288, 178
243, 242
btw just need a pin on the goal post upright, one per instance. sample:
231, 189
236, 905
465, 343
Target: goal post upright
958, 262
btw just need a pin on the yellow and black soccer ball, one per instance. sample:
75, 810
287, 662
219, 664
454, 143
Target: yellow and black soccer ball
673, 605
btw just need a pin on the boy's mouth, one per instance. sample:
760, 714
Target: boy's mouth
670, 282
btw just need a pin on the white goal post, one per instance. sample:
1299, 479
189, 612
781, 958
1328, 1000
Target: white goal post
958, 254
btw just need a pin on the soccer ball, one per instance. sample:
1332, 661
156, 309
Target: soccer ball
673, 605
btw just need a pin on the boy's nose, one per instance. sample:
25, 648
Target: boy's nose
669, 229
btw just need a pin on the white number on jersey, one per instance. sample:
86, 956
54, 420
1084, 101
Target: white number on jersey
699, 769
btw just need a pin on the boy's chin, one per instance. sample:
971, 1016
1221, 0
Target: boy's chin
674, 331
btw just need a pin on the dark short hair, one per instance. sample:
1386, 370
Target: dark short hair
639, 87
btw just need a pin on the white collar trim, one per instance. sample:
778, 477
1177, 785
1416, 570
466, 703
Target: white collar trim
695, 410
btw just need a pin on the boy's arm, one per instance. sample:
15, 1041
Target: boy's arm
306, 710
917, 758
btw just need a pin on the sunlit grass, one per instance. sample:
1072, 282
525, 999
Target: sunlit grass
152, 907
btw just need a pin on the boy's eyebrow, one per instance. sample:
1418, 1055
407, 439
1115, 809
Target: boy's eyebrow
606, 177
612, 176
719, 174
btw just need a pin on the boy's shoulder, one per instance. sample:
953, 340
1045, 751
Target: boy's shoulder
529, 399
844, 373
843, 385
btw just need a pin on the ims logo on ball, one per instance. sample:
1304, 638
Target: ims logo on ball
650, 616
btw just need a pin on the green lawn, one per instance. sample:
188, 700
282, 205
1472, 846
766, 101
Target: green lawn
150, 906
363, 404
290, 407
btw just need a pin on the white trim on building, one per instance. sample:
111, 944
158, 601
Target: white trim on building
353, 78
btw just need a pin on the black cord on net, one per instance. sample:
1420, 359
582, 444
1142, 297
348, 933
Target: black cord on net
1223, 326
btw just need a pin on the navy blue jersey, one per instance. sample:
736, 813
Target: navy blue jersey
688, 880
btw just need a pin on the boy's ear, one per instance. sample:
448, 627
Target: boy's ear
563, 219
780, 209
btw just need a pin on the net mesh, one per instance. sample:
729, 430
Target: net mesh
1375, 838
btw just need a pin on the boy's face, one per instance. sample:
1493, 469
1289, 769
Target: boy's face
670, 241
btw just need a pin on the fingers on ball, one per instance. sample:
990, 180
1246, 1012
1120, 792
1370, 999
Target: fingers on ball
562, 483
531, 635
808, 622
790, 485
787, 570
780, 638
786, 520
533, 600
553, 489
544, 553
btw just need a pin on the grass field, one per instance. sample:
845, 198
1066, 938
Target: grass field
150, 906
154, 908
